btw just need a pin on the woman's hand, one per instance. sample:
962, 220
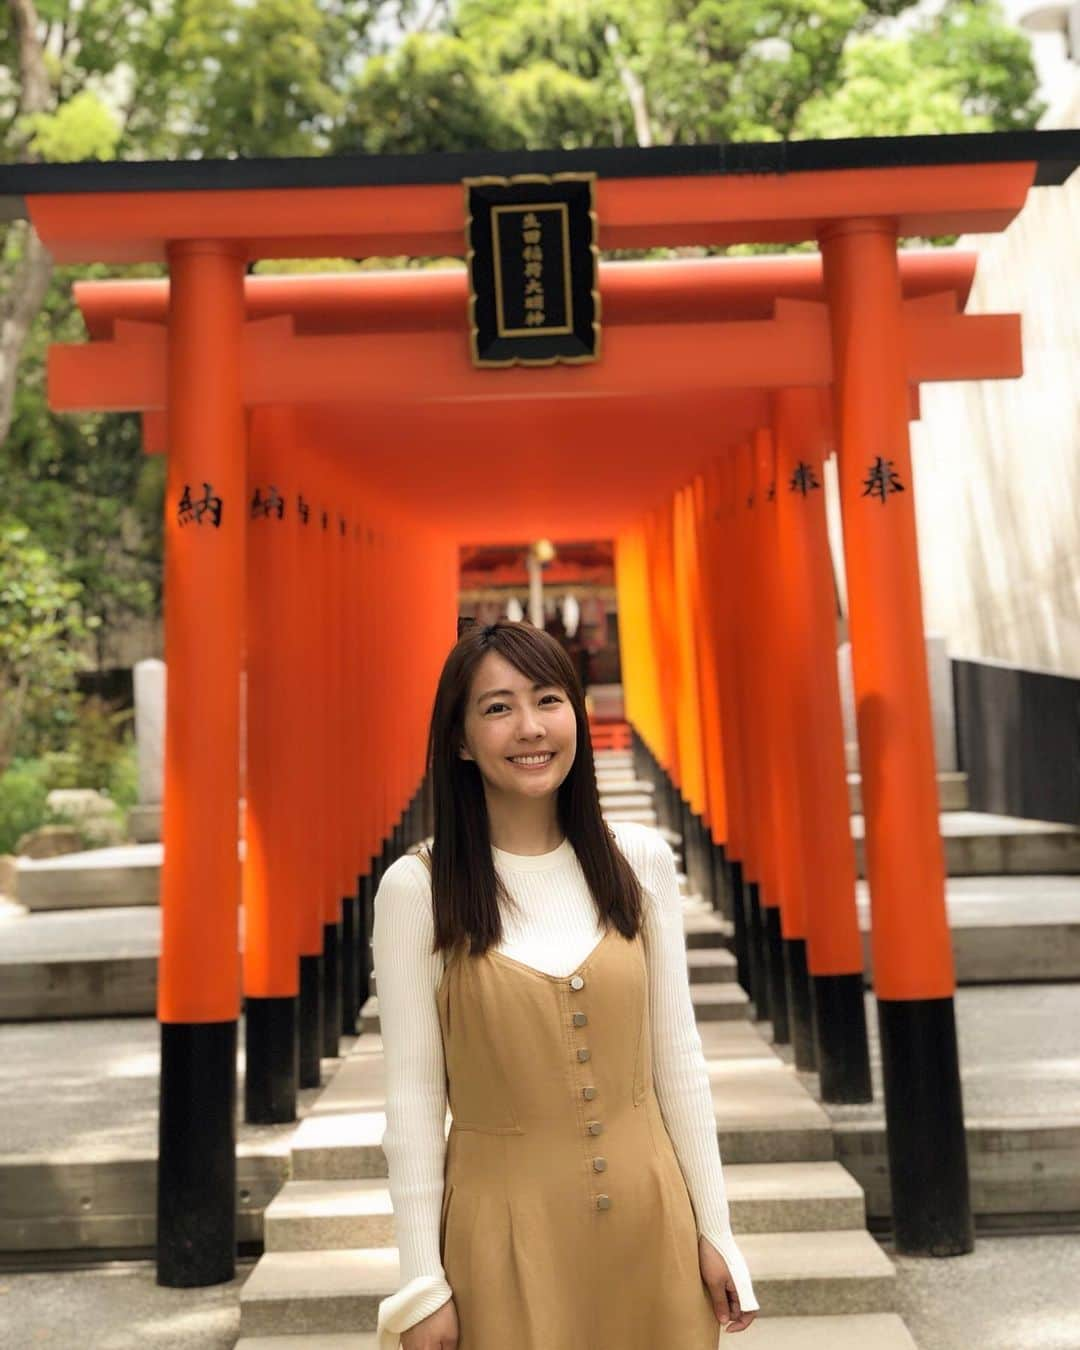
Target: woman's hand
438, 1331
721, 1287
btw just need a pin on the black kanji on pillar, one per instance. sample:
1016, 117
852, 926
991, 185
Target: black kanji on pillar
803, 478
882, 480
271, 504
207, 507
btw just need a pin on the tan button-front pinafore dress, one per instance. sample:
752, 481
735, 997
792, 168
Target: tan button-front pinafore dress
566, 1222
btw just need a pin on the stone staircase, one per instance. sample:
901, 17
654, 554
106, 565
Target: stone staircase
977, 843
329, 1253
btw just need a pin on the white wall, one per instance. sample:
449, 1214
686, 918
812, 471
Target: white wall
997, 462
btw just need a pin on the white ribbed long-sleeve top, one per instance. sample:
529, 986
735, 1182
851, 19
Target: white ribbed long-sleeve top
553, 929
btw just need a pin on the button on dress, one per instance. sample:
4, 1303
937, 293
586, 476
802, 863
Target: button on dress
566, 1223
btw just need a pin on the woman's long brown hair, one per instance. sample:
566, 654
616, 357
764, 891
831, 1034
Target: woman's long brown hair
466, 889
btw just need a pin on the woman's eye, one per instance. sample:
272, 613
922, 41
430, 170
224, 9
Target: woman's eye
492, 706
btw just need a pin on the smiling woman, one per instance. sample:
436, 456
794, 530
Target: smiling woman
531, 969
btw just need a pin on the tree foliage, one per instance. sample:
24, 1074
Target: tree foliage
539, 73
40, 616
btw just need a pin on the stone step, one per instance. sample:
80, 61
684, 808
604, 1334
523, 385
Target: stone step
861, 1331
980, 844
620, 802
711, 965
805, 1273
952, 791
102, 962
616, 781
705, 929
1005, 930
714, 1001
763, 1113
124, 875
622, 759
41, 991
764, 1197
640, 815
348, 1340
976, 844
348, 1147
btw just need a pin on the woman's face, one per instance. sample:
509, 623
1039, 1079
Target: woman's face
506, 718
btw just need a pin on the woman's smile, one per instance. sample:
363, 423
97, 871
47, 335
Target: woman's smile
534, 761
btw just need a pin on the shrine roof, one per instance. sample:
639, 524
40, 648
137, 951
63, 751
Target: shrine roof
1055, 153
365, 205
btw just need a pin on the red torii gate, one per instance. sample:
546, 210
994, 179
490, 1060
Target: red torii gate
723, 400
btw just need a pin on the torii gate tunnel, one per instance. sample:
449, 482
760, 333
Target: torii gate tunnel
331, 445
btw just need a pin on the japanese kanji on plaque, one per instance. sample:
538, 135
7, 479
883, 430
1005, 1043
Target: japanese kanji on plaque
532, 259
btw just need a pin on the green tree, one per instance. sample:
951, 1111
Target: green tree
40, 615
137, 78
656, 72
431, 93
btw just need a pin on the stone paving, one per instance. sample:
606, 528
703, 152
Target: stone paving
1017, 1043
1019, 1055
74, 1092
1014, 1293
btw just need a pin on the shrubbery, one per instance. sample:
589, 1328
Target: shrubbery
98, 757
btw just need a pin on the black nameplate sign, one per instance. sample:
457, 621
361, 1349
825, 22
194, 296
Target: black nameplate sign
532, 256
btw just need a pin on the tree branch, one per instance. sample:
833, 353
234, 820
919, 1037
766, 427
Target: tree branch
35, 92
635, 90
25, 291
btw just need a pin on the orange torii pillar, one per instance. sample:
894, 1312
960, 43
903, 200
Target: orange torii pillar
385, 698
771, 706
308, 787
380, 636
740, 690
787, 930
367, 809
760, 518
412, 549
829, 948
271, 818
398, 759
323, 712
709, 683
697, 861
342, 711
637, 648
913, 969
669, 770
650, 739
356, 710
722, 586
199, 965
350, 714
